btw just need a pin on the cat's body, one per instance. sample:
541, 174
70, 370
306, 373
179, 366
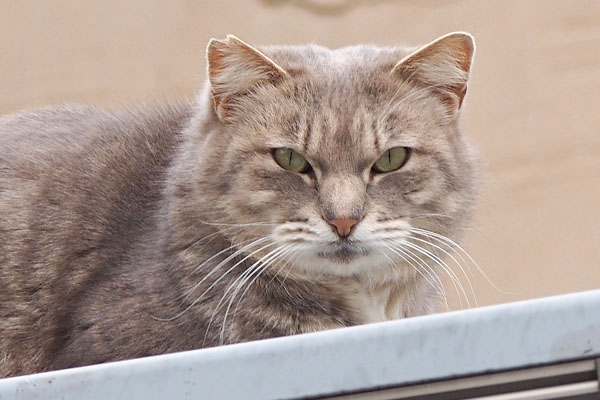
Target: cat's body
152, 231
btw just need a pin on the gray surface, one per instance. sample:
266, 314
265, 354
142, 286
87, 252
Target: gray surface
440, 346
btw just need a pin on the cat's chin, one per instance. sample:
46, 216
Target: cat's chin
346, 259
344, 252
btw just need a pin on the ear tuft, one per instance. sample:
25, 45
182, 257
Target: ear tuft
234, 69
443, 64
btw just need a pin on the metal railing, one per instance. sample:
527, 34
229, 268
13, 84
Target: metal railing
538, 349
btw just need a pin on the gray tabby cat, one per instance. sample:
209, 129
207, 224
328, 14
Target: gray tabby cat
305, 189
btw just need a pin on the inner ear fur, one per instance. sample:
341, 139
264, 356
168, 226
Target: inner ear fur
235, 68
442, 65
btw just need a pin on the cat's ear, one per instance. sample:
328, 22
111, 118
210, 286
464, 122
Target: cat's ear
443, 65
234, 69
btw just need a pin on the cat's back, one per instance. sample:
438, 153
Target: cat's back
80, 174
77, 186
77, 166
80, 139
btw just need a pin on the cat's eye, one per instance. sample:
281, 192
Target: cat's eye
291, 160
392, 159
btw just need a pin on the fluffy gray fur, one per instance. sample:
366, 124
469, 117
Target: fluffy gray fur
150, 231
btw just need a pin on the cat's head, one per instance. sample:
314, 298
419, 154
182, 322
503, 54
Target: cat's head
336, 161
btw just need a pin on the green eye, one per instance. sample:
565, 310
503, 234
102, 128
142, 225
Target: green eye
290, 160
392, 159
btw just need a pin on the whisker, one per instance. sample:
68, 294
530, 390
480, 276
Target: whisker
199, 240
432, 215
453, 244
217, 255
192, 304
225, 261
239, 225
238, 283
257, 273
430, 271
415, 258
233, 267
450, 247
396, 251
453, 279
437, 287
453, 259
442, 264
285, 262
291, 262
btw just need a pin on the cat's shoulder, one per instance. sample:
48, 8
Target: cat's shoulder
59, 132
83, 121
36, 122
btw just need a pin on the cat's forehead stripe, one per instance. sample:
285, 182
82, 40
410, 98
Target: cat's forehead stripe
307, 134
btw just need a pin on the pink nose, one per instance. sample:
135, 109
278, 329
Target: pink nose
343, 225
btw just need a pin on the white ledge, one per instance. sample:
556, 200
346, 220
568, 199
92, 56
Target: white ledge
389, 354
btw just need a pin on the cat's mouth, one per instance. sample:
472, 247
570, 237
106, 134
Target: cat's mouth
343, 251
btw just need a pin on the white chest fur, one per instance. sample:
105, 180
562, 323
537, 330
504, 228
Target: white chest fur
390, 301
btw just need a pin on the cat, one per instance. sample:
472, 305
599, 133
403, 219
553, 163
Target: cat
303, 189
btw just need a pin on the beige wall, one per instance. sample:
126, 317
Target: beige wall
533, 105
